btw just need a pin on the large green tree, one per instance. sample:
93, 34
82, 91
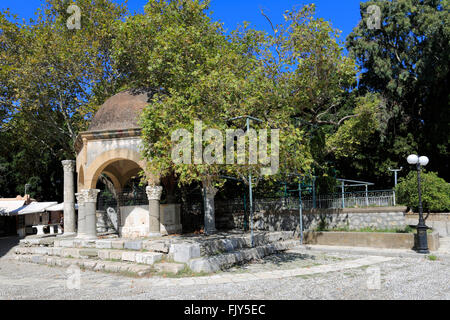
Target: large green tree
51, 79
406, 61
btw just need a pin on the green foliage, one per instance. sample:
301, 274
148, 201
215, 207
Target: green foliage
407, 62
294, 79
435, 192
357, 130
51, 79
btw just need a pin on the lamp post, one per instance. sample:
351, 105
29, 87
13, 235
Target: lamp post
422, 241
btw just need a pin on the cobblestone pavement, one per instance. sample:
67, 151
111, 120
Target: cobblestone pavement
291, 275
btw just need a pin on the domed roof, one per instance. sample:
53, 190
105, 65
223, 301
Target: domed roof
121, 111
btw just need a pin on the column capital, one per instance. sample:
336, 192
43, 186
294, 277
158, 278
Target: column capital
154, 192
80, 198
69, 165
90, 195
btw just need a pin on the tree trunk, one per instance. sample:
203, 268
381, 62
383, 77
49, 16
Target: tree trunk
209, 193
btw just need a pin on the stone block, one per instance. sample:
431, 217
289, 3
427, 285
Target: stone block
103, 244
228, 245
115, 255
66, 243
91, 253
184, 252
39, 259
118, 244
148, 257
70, 252
111, 266
104, 254
88, 243
203, 265
133, 245
139, 270
129, 256
156, 246
90, 264
174, 268
41, 250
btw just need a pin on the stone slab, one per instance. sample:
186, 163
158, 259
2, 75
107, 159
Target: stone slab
103, 244
129, 256
148, 257
117, 244
174, 268
184, 252
88, 253
132, 245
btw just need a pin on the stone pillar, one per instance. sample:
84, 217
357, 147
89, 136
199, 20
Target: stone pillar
210, 221
81, 232
69, 197
154, 196
90, 208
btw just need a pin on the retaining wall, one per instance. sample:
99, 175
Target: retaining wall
352, 218
440, 222
370, 239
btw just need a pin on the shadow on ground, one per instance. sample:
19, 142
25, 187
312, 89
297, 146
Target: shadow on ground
7, 244
285, 257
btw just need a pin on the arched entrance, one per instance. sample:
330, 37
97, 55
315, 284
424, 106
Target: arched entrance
109, 159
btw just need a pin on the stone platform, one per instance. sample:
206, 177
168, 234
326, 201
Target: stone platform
199, 253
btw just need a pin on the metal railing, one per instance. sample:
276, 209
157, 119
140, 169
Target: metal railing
363, 199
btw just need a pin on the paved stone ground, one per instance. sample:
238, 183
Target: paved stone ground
291, 275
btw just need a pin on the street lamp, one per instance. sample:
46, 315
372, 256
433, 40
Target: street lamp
422, 241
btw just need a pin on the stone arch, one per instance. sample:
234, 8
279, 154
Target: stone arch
114, 179
106, 158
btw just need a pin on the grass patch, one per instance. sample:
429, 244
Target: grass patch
185, 273
407, 229
432, 257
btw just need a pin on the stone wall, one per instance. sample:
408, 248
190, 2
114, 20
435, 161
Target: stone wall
370, 239
353, 219
440, 222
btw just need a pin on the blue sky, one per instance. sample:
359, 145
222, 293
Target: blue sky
343, 14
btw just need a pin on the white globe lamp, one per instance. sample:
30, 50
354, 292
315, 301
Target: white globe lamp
413, 159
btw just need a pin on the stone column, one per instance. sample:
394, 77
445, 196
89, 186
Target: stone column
154, 196
69, 198
210, 221
90, 208
81, 233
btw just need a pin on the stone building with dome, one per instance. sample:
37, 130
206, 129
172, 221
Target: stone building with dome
112, 147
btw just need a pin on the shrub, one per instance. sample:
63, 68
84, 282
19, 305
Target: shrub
435, 192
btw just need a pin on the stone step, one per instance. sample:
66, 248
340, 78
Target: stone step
168, 267
223, 261
89, 264
233, 243
148, 258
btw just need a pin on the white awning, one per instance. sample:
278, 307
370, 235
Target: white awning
6, 207
34, 207
59, 207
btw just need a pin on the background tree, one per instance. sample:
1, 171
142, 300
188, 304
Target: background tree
407, 62
51, 79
